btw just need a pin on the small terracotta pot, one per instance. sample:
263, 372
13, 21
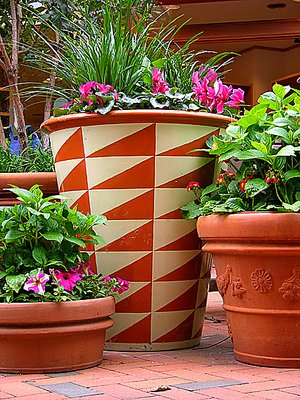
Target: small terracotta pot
25, 180
53, 337
257, 259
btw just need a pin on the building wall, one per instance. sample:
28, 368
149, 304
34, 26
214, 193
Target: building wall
260, 67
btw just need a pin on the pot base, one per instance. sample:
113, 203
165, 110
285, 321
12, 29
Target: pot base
267, 361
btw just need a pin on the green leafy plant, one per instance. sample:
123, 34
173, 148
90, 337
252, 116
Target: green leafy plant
133, 61
29, 160
261, 155
40, 255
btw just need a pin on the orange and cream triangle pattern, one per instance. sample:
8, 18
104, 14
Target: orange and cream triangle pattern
136, 175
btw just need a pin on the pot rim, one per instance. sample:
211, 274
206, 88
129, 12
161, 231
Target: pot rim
54, 312
250, 225
136, 116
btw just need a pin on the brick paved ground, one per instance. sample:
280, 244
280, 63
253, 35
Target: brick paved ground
196, 374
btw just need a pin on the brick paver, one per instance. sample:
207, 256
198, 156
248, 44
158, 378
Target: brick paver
208, 372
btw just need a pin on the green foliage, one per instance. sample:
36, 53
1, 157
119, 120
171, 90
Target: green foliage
118, 44
29, 160
262, 154
41, 236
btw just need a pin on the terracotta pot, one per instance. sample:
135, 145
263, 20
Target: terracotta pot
257, 258
47, 180
53, 337
133, 166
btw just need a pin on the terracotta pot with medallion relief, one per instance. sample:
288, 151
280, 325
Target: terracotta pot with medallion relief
257, 259
133, 166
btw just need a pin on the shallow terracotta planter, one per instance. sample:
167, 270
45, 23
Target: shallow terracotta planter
47, 180
133, 166
53, 337
257, 258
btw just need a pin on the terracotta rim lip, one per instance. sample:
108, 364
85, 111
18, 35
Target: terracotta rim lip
52, 312
136, 116
46, 179
67, 304
259, 225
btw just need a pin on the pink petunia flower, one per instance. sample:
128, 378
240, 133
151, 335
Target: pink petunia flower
67, 279
83, 269
123, 285
37, 283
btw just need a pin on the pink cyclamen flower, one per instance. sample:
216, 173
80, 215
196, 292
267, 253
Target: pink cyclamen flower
159, 84
236, 98
67, 105
37, 283
88, 88
67, 279
192, 185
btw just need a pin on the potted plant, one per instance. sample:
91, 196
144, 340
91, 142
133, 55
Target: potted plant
33, 165
135, 105
249, 220
54, 311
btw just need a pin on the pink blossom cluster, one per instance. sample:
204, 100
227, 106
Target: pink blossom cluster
121, 285
66, 279
159, 84
69, 279
213, 94
90, 88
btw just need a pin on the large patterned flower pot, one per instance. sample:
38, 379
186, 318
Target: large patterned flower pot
53, 337
257, 258
133, 166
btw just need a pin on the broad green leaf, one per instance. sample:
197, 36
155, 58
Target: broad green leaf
14, 234
293, 173
7, 272
158, 104
251, 154
234, 204
209, 189
281, 121
247, 121
278, 132
286, 151
16, 281
293, 207
39, 254
260, 146
23, 194
75, 240
159, 63
280, 90
255, 186
56, 236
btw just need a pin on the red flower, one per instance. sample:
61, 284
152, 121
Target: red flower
192, 185
242, 183
220, 179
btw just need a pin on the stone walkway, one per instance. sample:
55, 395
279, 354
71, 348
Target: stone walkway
206, 372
